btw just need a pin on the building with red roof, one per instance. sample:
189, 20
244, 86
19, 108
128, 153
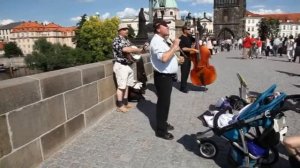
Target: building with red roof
289, 23
27, 33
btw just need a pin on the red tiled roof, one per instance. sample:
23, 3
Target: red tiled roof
37, 27
250, 14
284, 17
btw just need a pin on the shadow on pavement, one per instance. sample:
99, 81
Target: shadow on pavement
278, 60
190, 144
190, 87
289, 73
151, 87
148, 109
298, 86
234, 57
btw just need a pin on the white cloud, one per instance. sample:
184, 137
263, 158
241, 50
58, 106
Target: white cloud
267, 11
257, 6
45, 22
75, 19
184, 12
105, 15
128, 12
194, 2
6, 21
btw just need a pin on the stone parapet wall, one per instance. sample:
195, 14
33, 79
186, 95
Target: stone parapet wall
40, 113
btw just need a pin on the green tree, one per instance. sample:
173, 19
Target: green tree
268, 28
98, 34
47, 56
77, 38
12, 50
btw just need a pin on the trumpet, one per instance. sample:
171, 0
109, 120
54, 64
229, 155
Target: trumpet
179, 58
180, 50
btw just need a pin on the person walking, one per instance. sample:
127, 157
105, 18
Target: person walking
186, 42
268, 47
259, 45
297, 49
276, 45
246, 46
290, 47
124, 74
165, 65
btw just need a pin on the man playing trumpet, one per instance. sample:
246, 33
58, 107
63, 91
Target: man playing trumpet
165, 64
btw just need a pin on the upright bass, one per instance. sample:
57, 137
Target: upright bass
202, 73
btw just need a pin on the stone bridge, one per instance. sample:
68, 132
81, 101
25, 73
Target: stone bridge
66, 118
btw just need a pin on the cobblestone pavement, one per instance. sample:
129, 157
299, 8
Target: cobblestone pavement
127, 140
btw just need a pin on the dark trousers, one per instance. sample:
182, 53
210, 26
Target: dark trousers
297, 54
185, 71
163, 84
267, 51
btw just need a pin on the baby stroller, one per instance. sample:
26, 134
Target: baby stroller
251, 133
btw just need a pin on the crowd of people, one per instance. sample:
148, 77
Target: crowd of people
255, 47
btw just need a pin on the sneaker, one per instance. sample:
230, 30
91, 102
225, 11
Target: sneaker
122, 109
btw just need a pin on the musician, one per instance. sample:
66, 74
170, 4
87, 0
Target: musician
165, 64
124, 74
186, 42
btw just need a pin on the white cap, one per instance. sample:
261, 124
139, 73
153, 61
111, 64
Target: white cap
122, 26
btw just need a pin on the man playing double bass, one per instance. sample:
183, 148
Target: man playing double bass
186, 43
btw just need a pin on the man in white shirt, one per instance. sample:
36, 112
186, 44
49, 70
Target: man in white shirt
165, 64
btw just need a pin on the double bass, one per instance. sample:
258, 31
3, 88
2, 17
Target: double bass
202, 73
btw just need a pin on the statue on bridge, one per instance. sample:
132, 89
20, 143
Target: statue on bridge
142, 33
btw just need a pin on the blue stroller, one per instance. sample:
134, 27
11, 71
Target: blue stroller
251, 133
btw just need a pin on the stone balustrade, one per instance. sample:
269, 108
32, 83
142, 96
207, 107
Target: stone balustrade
40, 113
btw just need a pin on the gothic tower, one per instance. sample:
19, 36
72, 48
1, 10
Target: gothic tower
228, 18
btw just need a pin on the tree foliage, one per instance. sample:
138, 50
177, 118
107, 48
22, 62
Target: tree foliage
98, 36
12, 50
78, 41
47, 56
268, 28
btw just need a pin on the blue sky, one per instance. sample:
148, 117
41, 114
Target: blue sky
67, 12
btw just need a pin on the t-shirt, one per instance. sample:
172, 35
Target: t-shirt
247, 42
259, 43
186, 41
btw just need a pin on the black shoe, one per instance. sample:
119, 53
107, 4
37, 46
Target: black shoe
294, 162
184, 90
166, 135
170, 127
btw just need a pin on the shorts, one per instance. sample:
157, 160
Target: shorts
124, 75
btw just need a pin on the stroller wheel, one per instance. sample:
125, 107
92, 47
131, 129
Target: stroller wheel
271, 158
208, 149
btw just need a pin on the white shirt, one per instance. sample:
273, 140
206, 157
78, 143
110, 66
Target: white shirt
158, 47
